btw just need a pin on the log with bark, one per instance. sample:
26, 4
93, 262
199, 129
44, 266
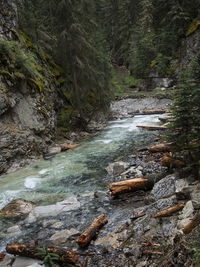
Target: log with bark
92, 231
149, 112
66, 147
191, 225
131, 185
31, 251
169, 211
163, 147
152, 127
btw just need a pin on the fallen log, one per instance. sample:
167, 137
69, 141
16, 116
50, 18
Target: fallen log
152, 128
191, 225
170, 162
66, 147
163, 147
169, 211
149, 112
92, 231
31, 251
130, 185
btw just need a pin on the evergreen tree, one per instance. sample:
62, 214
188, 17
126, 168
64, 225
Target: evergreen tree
186, 111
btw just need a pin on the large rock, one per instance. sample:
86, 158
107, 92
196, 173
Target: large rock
53, 210
17, 208
164, 188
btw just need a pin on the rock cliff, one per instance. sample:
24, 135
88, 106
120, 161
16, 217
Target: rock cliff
29, 94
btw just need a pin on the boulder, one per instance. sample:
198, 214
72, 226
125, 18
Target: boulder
53, 210
17, 208
164, 188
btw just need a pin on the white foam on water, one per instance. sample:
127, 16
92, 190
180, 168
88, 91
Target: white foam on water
31, 182
8, 196
106, 141
44, 171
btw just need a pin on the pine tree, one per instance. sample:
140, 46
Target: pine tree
186, 111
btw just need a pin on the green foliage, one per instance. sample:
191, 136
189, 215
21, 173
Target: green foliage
197, 256
193, 26
48, 257
23, 60
7, 74
186, 111
67, 114
130, 82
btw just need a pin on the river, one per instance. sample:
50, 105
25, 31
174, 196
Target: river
71, 178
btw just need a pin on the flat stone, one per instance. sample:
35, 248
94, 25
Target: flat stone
57, 225
53, 210
14, 229
63, 236
187, 211
164, 188
27, 262
6, 262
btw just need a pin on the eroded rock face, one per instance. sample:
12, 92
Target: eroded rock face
17, 208
8, 17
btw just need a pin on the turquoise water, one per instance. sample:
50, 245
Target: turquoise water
80, 172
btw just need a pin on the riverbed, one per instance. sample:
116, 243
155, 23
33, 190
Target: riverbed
70, 180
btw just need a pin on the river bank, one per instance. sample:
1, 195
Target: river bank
127, 107
66, 200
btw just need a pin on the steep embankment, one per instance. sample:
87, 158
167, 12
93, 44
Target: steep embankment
29, 93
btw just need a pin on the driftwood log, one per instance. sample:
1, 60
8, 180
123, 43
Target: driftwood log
163, 147
169, 211
30, 250
170, 162
132, 185
191, 225
152, 128
66, 147
153, 112
92, 231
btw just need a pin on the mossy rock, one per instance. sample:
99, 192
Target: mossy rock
26, 40
19, 75
44, 113
37, 84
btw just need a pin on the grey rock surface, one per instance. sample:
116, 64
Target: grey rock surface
164, 188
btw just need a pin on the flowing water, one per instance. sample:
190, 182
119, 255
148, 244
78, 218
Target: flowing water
73, 177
